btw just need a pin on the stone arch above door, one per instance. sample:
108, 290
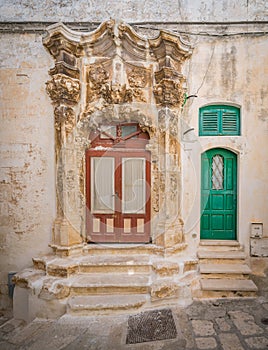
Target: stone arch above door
114, 75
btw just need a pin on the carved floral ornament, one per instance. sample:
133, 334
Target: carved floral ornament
63, 88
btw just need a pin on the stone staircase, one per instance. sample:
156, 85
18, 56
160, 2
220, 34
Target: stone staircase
107, 279
223, 270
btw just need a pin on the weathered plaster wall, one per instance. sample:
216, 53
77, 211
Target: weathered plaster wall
27, 154
227, 70
133, 10
230, 71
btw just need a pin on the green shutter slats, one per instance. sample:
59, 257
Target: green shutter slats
219, 120
209, 122
230, 123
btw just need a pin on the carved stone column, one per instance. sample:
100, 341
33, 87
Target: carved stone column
169, 91
64, 91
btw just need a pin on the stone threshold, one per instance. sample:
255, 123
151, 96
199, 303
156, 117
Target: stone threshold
219, 243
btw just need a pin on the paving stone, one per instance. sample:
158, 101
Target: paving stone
7, 346
203, 328
230, 341
265, 305
55, 337
206, 343
223, 324
245, 323
185, 327
29, 332
3, 320
257, 342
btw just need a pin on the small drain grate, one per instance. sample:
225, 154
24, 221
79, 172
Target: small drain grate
151, 326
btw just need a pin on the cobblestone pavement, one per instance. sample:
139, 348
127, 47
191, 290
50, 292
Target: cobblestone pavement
218, 324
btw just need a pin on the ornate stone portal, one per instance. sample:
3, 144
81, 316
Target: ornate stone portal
113, 75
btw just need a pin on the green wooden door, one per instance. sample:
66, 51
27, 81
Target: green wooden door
218, 195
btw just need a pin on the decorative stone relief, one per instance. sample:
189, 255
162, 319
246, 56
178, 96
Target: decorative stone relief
113, 75
169, 90
100, 86
63, 88
98, 77
66, 115
116, 93
137, 77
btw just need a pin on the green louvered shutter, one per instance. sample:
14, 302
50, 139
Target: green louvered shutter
219, 120
230, 121
209, 122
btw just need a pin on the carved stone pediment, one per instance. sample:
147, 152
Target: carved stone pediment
120, 63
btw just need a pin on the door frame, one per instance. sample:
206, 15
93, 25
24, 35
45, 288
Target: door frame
221, 150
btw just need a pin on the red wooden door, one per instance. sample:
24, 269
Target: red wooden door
118, 195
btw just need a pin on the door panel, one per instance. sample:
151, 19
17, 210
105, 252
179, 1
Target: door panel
133, 185
118, 185
102, 194
218, 195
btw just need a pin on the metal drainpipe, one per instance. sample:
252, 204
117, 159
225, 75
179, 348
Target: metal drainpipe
10, 284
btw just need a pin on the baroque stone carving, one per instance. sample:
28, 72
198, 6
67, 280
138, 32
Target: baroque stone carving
64, 114
97, 77
63, 88
137, 78
119, 66
99, 86
168, 93
116, 94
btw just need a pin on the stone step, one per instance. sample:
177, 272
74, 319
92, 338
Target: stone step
65, 267
115, 264
109, 284
224, 268
220, 245
102, 304
126, 249
223, 284
206, 254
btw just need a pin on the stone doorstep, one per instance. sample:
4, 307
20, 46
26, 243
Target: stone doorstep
109, 284
115, 264
220, 245
139, 263
224, 284
203, 254
224, 268
101, 303
217, 243
116, 249
65, 267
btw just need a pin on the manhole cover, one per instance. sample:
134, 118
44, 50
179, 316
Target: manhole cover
151, 326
